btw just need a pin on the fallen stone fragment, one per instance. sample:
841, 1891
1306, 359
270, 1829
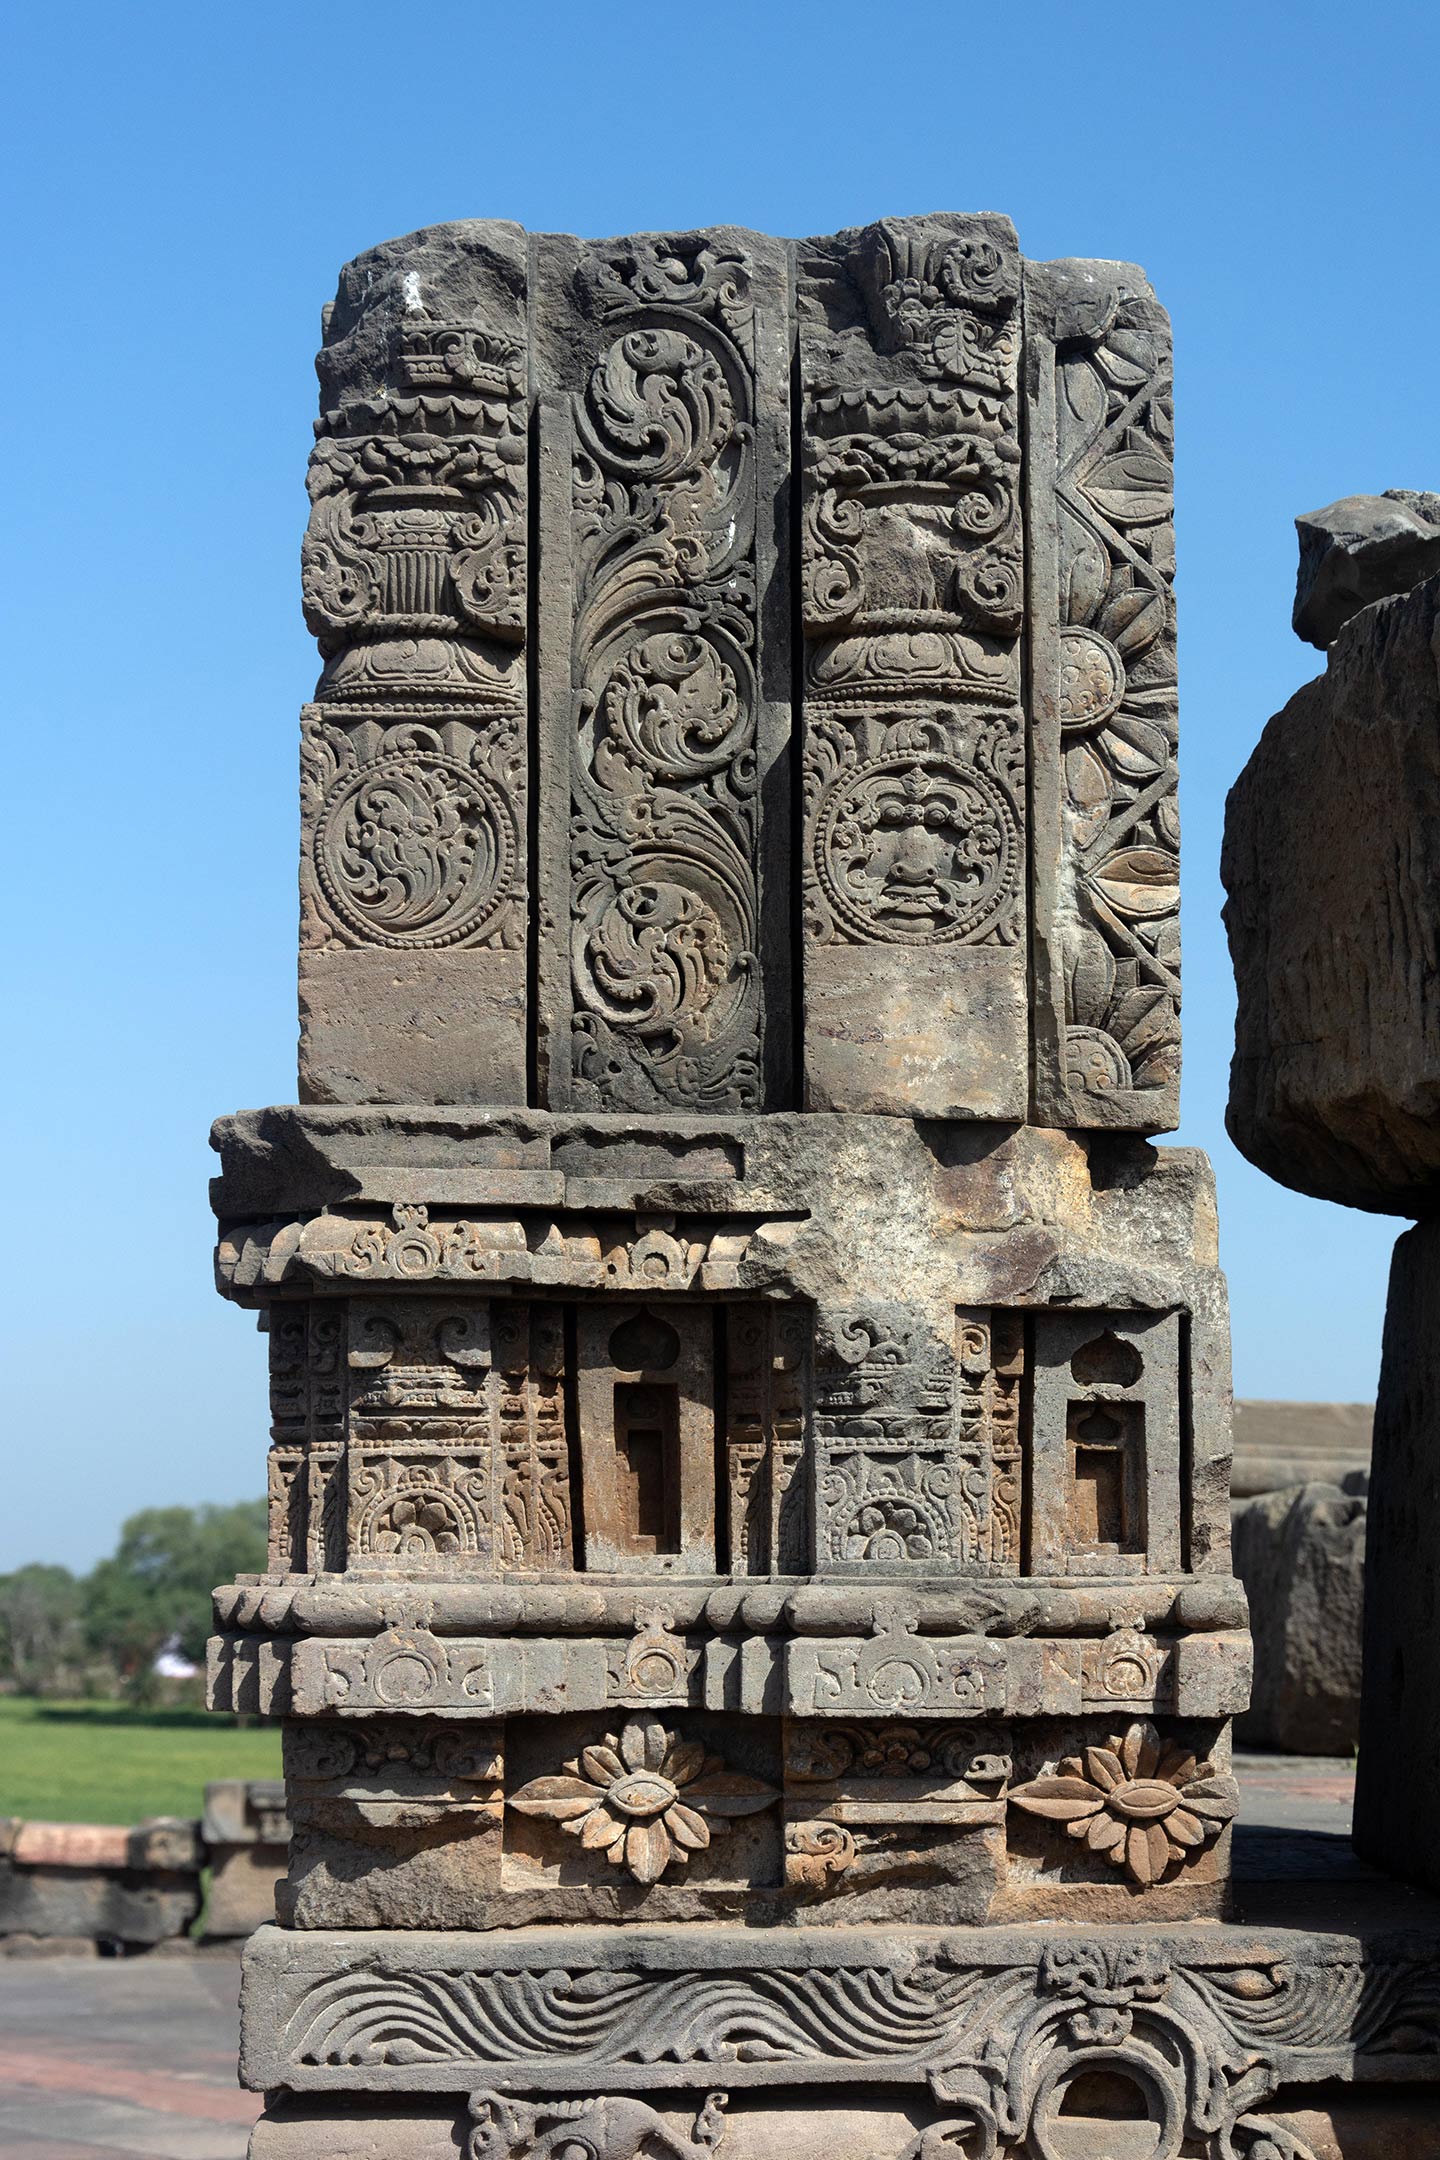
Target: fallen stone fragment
1301, 1556
1331, 864
1360, 549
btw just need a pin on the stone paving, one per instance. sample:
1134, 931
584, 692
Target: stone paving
136, 2056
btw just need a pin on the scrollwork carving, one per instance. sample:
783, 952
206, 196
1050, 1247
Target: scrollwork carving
665, 815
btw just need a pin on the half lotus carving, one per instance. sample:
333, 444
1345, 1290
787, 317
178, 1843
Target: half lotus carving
645, 1799
1143, 1804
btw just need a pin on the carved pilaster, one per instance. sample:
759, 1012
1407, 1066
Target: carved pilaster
912, 549
664, 433
414, 782
1103, 699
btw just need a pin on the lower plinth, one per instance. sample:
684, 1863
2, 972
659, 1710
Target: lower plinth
1056, 2043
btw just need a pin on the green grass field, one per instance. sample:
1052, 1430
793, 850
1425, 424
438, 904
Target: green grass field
101, 1762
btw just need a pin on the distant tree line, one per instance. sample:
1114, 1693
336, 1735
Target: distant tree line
99, 1634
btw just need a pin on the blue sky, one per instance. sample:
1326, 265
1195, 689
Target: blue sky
185, 183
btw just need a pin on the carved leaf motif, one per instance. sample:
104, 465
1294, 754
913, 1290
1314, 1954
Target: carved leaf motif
729, 1792
1136, 748
1062, 1799
1131, 487
1127, 357
561, 1798
1133, 618
1088, 785
1091, 976
1142, 1021
1085, 396
1089, 576
1139, 882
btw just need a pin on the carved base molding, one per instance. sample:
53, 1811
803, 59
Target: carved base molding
1172, 2041
1344, 2125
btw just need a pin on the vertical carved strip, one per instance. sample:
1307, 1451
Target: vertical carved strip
1103, 696
534, 1513
767, 1412
990, 1366
914, 856
413, 869
307, 1437
659, 715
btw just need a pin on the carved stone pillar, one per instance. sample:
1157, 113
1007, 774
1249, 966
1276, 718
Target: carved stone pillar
749, 1597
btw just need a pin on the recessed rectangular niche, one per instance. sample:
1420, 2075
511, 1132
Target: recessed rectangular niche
645, 1397
647, 1429
1107, 1455
1105, 1444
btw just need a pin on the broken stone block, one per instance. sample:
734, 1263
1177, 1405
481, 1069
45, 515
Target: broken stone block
246, 1834
1331, 864
1362, 548
1301, 1555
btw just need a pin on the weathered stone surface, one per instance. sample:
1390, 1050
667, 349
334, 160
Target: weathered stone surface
749, 1591
1102, 698
564, 472
1362, 548
105, 1882
1331, 863
1301, 1556
923, 2025
1398, 1773
1299, 1443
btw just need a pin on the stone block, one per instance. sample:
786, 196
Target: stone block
136, 1907
851, 2126
243, 1880
1331, 863
246, 1833
1360, 549
749, 1589
442, 1027
1300, 1553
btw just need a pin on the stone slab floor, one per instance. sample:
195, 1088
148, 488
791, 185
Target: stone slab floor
102, 2057
136, 2056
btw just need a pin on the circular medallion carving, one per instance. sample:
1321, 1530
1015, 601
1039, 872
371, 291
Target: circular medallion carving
917, 849
1092, 679
416, 850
